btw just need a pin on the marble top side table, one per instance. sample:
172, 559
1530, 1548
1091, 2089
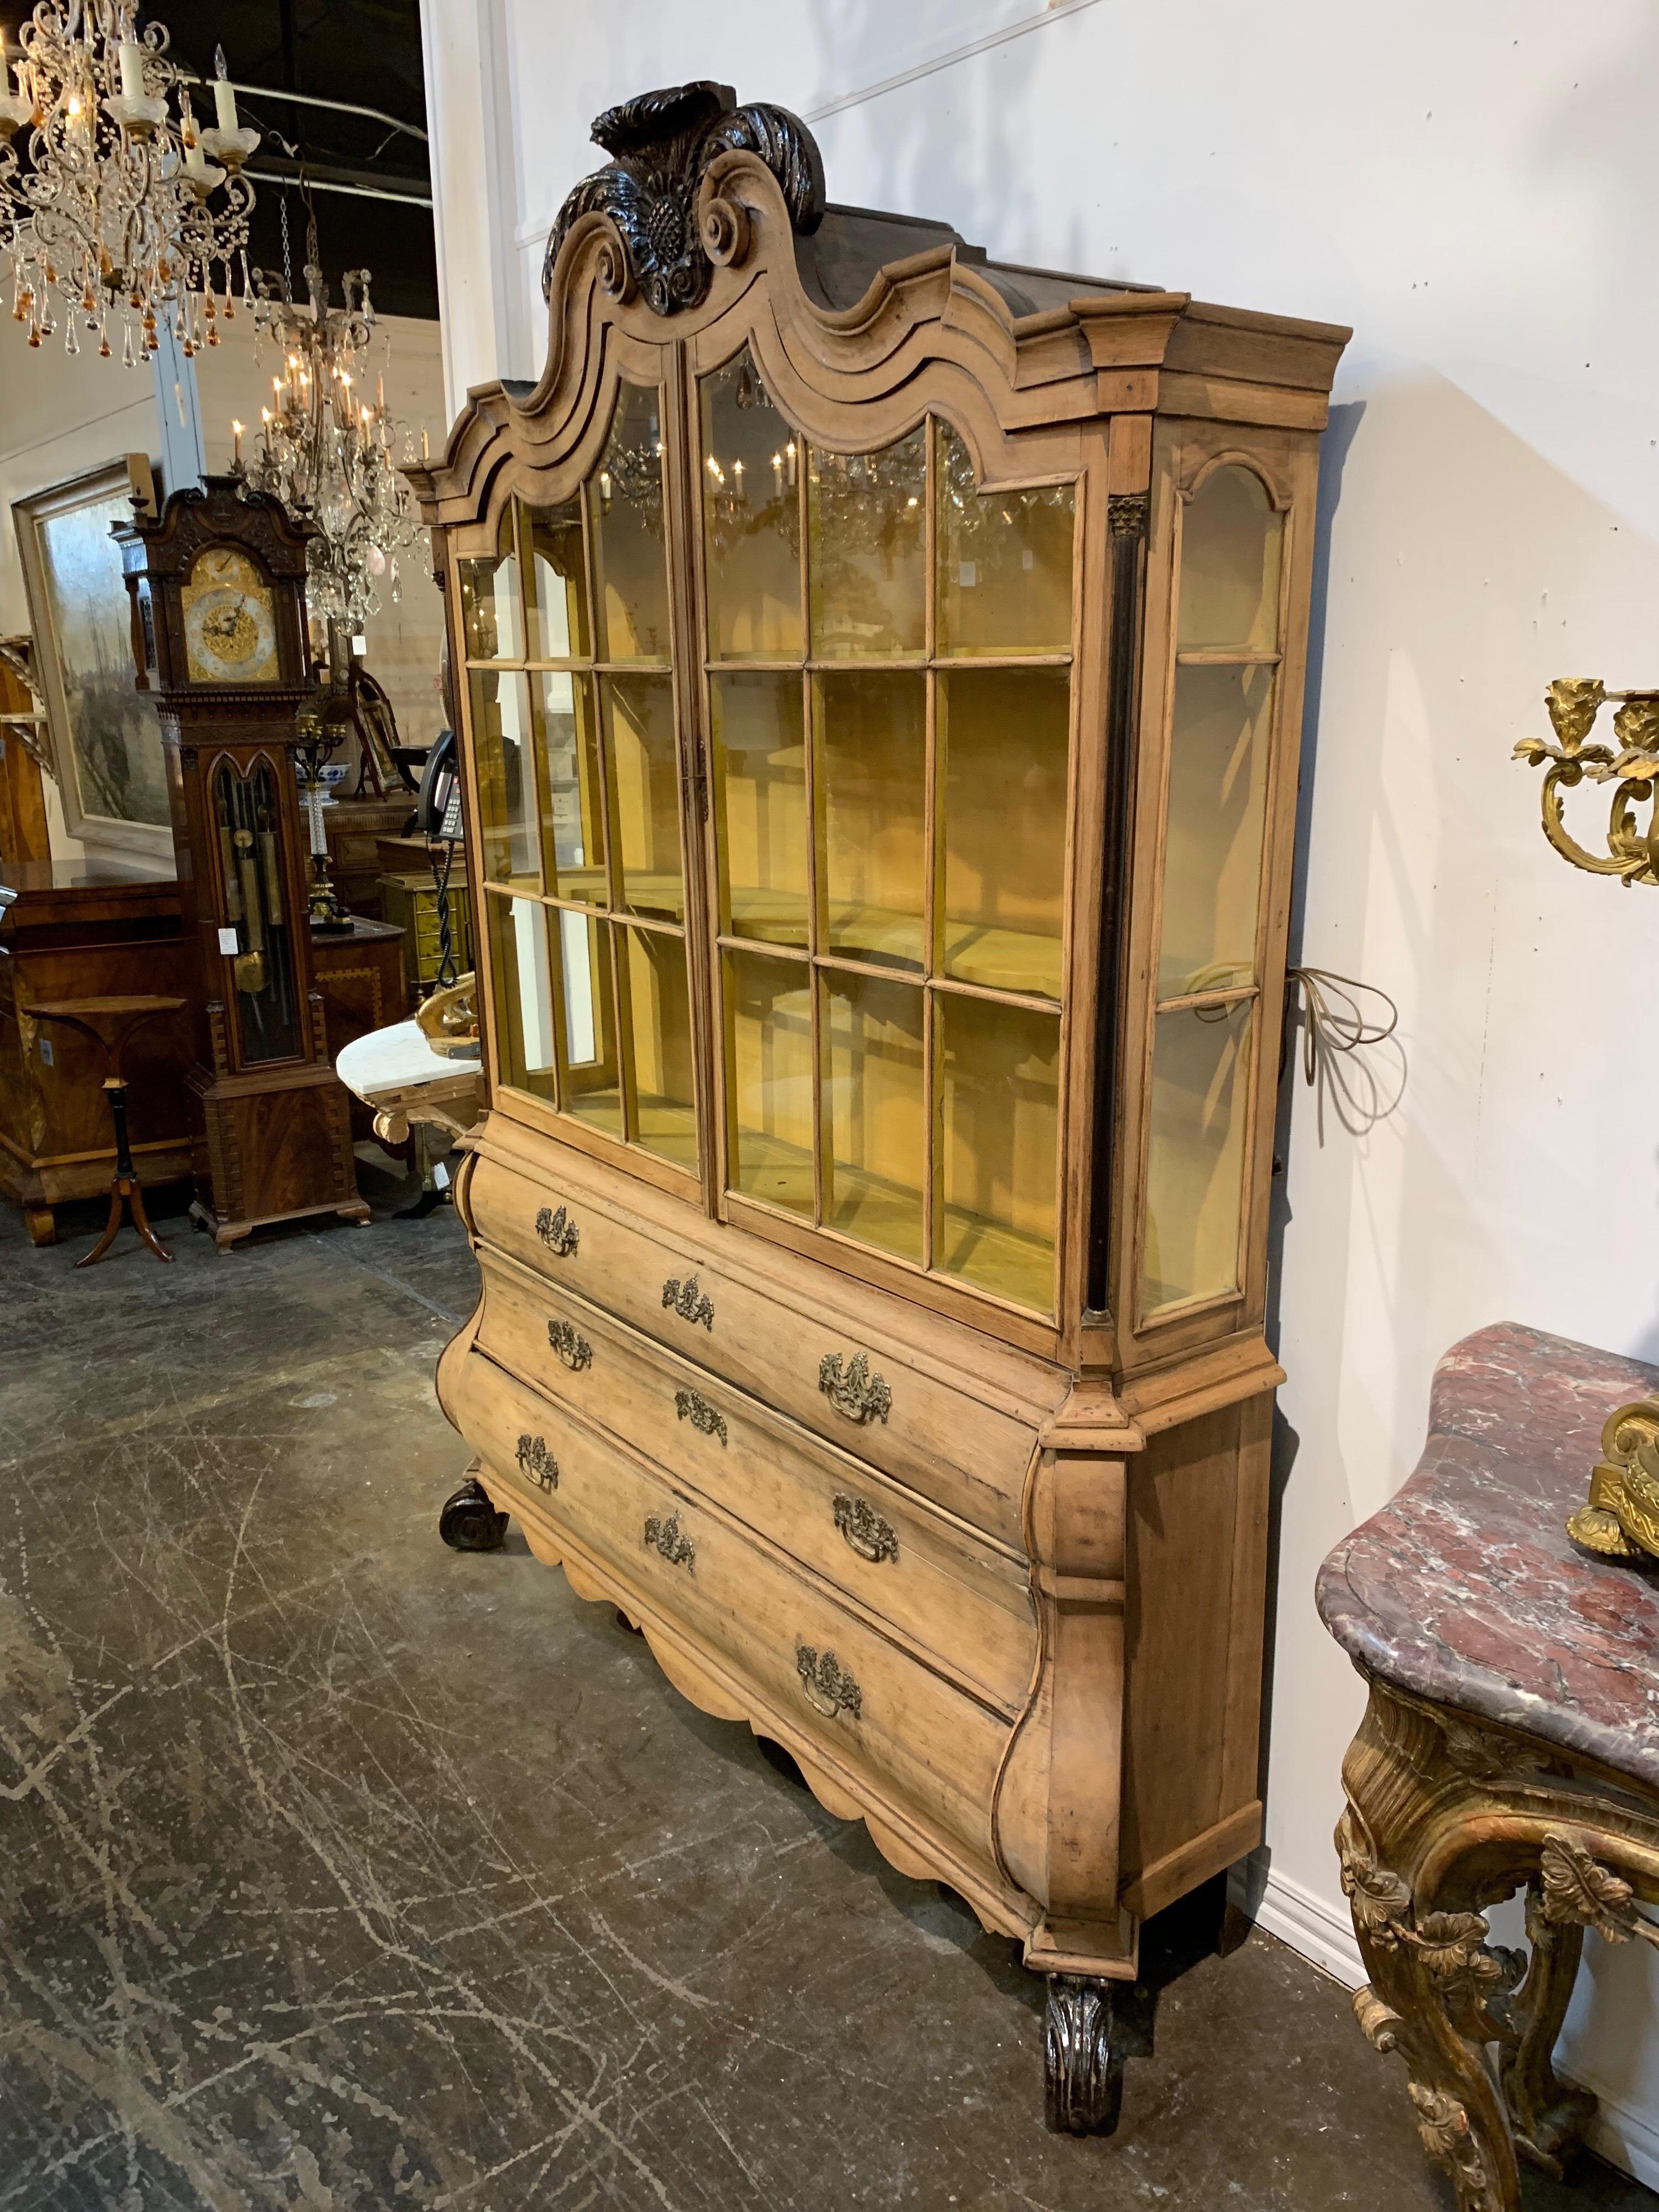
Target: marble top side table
1511, 1741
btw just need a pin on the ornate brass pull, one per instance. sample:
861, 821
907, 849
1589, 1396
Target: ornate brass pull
690, 1302
574, 1351
853, 1390
829, 1690
691, 1406
667, 1537
558, 1232
866, 1533
537, 1463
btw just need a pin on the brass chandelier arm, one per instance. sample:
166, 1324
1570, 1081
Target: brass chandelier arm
1574, 703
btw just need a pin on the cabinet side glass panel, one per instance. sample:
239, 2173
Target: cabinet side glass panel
492, 613
1231, 545
521, 980
578, 796
1226, 679
1195, 1162
504, 747
760, 804
751, 499
1218, 752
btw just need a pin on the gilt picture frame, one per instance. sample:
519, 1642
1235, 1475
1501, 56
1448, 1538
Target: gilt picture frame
103, 736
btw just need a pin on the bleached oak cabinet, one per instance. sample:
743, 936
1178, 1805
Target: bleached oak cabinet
882, 694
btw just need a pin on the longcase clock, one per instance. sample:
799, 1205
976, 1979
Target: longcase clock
218, 582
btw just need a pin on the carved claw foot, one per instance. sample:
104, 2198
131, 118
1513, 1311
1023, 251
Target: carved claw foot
1083, 2058
468, 1522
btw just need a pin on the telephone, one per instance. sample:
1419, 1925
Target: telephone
438, 809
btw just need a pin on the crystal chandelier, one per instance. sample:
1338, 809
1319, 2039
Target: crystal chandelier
325, 450
111, 210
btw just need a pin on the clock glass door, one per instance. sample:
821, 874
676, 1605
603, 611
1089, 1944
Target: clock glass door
254, 910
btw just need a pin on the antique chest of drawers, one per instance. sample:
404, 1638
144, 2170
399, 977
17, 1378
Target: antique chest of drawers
882, 679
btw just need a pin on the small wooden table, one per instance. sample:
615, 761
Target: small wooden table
1511, 1741
107, 1024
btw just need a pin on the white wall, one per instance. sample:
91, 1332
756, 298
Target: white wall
1473, 189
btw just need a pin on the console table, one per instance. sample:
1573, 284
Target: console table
1511, 1741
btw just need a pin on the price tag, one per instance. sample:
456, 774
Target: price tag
228, 944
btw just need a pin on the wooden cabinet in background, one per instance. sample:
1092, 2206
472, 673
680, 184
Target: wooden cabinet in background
84, 929
882, 688
360, 979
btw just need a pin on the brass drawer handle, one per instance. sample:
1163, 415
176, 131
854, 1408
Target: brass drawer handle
666, 1536
537, 1463
853, 1390
690, 1302
691, 1406
574, 1351
866, 1533
829, 1689
558, 1232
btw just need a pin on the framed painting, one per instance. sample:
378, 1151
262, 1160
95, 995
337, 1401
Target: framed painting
103, 736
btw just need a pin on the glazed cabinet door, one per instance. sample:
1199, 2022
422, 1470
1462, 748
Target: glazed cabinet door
888, 657
583, 788
1221, 721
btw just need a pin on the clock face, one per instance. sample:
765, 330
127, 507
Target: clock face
230, 620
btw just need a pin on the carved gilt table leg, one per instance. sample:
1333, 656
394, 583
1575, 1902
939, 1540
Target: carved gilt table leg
1447, 1815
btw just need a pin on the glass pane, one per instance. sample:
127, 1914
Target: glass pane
639, 728
557, 615
1005, 562
1005, 736
490, 617
501, 742
625, 510
660, 1023
869, 531
572, 816
770, 1090
522, 994
760, 804
1217, 795
999, 1078
872, 1055
751, 519
873, 741
251, 860
1195, 1160
592, 1083
1230, 542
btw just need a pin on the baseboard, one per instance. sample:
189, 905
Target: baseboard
1309, 1925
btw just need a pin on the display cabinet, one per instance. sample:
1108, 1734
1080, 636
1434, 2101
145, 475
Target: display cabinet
883, 692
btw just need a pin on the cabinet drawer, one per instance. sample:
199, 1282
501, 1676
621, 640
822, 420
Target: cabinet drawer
867, 1706
877, 1399
940, 1585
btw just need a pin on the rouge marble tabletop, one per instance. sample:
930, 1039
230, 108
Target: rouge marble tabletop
1466, 1588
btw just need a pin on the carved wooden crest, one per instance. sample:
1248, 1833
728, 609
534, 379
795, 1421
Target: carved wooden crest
662, 145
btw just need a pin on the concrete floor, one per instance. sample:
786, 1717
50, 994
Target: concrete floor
340, 1870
